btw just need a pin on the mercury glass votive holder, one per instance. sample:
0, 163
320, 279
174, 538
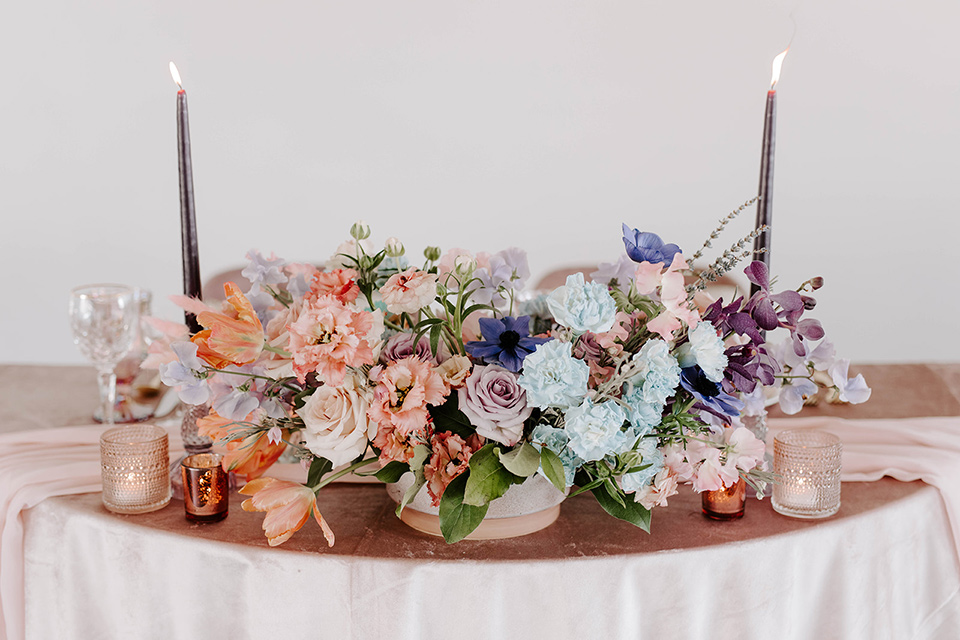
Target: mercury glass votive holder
134, 468
205, 488
808, 463
727, 503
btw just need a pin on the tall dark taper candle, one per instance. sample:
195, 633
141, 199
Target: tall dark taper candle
188, 222
765, 193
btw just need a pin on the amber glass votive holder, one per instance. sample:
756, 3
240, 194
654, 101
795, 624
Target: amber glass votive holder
727, 503
808, 462
134, 468
205, 489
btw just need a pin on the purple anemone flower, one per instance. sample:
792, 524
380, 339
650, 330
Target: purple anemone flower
643, 246
709, 393
506, 342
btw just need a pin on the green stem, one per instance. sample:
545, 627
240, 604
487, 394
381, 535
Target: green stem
339, 474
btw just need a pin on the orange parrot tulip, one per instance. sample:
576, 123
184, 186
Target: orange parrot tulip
230, 339
288, 505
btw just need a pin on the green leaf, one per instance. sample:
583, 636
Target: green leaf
613, 491
457, 518
392, 471
522, 461
629, 511
553, 468
590, 486
435, 339
488, 478
448, 417
421, 453
318, 468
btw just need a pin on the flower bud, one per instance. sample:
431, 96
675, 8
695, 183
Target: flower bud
816, 283
432, 253
360, 230
465, 265
394, 248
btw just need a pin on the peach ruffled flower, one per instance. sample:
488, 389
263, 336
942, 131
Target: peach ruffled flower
330, 336
404, 389
288, 505
396, 447
409, 291
656, 493
340, 283
454, 371
451, 457
248, 456
233, 337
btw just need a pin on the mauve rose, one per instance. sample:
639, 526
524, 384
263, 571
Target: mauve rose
336, 423
495, 404
400, 346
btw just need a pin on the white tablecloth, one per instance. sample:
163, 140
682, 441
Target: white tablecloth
890, 573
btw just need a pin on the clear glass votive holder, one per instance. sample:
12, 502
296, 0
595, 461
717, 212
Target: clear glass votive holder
206, 494
134, 468
808, 463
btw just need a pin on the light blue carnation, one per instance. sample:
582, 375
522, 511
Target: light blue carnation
595, 430
642, 415
652, 456
552, 377
583, 306
556, 440
659, 372
704, 348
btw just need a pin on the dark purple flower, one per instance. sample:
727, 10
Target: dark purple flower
643, 246
708, 393
506, 342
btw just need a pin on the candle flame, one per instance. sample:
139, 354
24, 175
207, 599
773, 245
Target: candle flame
176, 74
777, 63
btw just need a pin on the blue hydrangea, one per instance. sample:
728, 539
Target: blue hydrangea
652, 456
552, 377
659, 372
556, 440
583, 306
595, 430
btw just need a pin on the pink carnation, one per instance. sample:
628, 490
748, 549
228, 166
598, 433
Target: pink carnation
451, 457
409, 291
394, 446
339, 283
330, 336
404, 390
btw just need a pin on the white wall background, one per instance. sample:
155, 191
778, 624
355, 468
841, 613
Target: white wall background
483, 124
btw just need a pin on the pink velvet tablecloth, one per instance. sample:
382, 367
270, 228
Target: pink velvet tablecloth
886, 566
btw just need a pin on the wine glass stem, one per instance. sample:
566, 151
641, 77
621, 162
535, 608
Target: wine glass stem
107, 383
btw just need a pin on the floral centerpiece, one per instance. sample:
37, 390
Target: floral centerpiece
624, 386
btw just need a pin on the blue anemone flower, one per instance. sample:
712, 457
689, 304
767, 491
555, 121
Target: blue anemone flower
506, 342
643, 246
708, 392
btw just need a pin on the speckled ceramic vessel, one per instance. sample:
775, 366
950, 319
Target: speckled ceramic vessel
523, 509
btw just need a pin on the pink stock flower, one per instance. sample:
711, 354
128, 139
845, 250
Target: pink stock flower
404, 390
339, 283
288, 505
451, 457
330, 336
409, 291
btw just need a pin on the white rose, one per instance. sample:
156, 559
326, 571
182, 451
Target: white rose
336, 423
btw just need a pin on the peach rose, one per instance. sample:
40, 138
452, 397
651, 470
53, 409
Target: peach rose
336, 426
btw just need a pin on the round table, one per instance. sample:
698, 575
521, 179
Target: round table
883, 567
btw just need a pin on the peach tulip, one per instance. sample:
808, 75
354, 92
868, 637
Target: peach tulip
288, 505
230, 339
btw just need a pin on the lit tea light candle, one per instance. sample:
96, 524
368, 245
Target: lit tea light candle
205, 487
